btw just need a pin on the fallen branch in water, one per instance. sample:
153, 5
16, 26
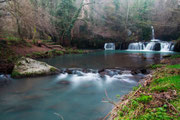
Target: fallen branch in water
109, 100
59, 115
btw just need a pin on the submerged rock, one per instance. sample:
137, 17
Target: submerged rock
64, 82
27, 67
4, 80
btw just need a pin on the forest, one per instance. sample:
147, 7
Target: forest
90, 59
72, 22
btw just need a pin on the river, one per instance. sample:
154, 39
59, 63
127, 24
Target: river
77, 95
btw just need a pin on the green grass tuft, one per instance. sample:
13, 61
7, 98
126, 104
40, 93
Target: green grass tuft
177, 66
163, 84
144, 98
155, 66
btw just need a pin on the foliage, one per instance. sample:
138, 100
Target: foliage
64, 14
144, 98
175, 56
166, 83
154, 99
177, 66
155, 66
159, 113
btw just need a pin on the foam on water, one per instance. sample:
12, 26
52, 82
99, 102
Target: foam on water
78, 77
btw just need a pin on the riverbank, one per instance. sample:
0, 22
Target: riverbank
12, 49
157, 97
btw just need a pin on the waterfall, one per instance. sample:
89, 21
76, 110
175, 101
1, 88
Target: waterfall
109, 46
157, 45
136, 46
153, 45
150, 46
152, 32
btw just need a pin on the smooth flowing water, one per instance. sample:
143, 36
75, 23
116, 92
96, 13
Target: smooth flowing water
76, 95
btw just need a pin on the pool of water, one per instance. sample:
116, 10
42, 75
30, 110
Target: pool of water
75, 96
108, 59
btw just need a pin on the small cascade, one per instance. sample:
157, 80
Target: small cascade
109, 46
79, 76
162, 46
136, 46
150, 46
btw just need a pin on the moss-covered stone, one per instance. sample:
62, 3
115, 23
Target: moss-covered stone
26, 67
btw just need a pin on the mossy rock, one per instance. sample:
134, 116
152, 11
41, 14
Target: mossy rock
27, 67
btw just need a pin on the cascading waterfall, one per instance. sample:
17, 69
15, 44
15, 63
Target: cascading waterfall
109, 46
152, 32
136, 46
153, 45
162, 46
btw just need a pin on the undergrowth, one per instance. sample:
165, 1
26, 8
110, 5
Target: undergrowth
158, 98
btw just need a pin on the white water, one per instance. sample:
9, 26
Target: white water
79, 77
109, 46
150, 46
153, 35
153, 45
136, 46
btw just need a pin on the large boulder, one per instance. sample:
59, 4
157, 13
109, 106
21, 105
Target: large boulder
27, 67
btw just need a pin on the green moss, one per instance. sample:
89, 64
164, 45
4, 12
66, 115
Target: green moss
175, 56
15, 74
155, 66
177, 66
159, 113
163, 84
162, 88
144, 104
28, 55
59, 52
52, 69
144, 98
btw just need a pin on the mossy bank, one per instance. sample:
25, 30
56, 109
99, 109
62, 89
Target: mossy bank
156, 98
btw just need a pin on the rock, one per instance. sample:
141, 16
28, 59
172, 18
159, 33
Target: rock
166, 56
102, 70
157, 47
144, 71
64, 82
27, 67
124, 45
4, 80
135, 72
177, 46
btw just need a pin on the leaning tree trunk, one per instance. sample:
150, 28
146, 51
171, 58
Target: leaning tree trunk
66, 37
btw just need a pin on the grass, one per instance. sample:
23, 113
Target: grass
154, 101
175, 56
177, 66
155, 66
144, 98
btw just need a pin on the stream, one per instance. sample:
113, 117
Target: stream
77, 93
